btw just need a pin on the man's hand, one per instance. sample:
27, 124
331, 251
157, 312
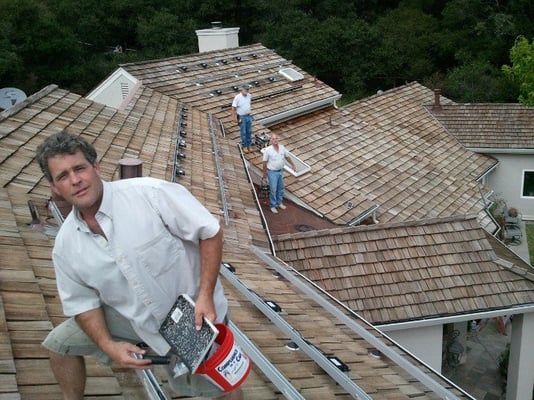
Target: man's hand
204, 308
94, 324
121, 353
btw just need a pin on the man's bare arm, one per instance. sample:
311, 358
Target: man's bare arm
94, 325
290, 161
234, 114
210, 257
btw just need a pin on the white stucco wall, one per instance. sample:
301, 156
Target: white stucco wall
521, 363
506, 180
424, 343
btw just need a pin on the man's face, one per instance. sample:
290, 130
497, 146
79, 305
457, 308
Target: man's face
274, 139
244, 92
77, 181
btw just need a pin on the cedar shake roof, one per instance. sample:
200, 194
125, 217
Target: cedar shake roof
490, 126
258, 66
147, 129
386, 150
413, 270
378, 151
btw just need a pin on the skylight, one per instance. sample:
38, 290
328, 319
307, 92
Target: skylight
291, 75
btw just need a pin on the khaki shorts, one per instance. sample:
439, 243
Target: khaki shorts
69, 338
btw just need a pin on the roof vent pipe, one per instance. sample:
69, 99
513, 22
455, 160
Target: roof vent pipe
130, 168
437, 104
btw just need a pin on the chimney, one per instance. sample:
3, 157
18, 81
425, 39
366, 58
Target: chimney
130, 168
217, 38
437, 104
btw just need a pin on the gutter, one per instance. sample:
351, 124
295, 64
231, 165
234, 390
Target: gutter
492, 150
456, 318
488, 171
296, 112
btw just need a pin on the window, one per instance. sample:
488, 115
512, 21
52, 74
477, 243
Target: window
528, 184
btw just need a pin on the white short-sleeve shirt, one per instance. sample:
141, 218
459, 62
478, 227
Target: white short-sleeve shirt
151, 255
275, 159
242, 104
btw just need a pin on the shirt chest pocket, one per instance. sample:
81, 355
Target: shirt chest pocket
160, 254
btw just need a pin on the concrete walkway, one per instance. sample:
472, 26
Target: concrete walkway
521, 248
480, 375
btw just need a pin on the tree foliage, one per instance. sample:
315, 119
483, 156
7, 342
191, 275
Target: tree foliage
522, 69
356, 46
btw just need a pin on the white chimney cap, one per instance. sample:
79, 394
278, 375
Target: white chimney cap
217, 38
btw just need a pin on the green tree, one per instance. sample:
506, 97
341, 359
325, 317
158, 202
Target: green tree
406, 46
165, 34
477, 81
522, 70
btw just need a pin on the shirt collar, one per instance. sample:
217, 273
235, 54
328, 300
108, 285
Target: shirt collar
105, 206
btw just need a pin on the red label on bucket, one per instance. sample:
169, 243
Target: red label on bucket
235, 366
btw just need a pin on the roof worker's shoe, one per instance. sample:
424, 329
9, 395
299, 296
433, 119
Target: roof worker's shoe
274, 210
281, 207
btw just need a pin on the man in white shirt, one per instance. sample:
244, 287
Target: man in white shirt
123, 255
274, 160
241, 109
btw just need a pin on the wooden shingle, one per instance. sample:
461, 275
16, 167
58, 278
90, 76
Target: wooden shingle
448, 266
147, 128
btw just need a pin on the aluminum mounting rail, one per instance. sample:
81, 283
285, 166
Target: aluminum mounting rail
219, 169
270, 371
260, 210
310, 288
176, 147
313, 352
150, 383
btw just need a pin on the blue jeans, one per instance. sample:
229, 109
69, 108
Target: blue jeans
276, 187
245, 129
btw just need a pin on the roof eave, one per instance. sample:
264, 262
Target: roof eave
501, 150
419, 323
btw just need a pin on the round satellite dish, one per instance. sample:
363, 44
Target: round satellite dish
11, 96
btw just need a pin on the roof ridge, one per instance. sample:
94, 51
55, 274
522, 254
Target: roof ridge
381, 93
28, 101
514, 268
189, 55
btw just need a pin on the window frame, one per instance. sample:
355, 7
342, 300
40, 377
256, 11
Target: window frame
523, 175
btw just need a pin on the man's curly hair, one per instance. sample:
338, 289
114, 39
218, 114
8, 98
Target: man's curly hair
63, 143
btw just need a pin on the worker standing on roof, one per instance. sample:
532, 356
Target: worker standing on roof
274, 160
123, 255
241, 114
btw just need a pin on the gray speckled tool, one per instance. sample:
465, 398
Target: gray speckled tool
179, 331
